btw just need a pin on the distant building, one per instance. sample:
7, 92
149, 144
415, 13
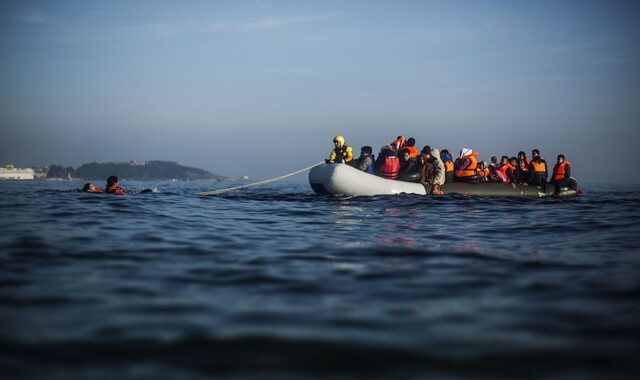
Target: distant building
11, 172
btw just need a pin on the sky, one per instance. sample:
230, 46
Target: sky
260, 88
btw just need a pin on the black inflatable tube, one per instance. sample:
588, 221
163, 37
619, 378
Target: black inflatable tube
507, 190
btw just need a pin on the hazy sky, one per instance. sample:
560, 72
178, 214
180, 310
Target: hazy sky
261, 87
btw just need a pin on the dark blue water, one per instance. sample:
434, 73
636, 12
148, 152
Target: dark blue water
275, 282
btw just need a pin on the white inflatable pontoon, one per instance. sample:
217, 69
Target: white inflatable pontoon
342, 179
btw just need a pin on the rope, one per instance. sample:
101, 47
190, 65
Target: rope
219, 191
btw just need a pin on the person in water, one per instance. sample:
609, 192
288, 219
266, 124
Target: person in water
91, 188
561, 174
537, 169
113, 186
366, 160
467, 165
341, 153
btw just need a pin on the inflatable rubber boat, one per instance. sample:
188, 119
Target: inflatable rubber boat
342, 179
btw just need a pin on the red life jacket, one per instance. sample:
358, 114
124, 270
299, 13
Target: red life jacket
470, 170
559, 171
502, 172
390, 167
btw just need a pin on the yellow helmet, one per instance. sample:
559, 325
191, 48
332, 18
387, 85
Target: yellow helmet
338, 138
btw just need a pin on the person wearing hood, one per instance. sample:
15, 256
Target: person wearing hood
342, 153
409, 169
447, 160
366, 160
467, 165
438, 172
484, 174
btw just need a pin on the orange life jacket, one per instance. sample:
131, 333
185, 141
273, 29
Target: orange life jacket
390, 167
502, 169
413, 151
398, 143
483, 172
539, 167
470, 170
448, 166
114, 189
559, 171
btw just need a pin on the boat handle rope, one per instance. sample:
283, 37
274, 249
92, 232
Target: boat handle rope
220, 191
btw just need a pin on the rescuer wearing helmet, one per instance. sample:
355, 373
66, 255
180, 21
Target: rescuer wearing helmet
342, 153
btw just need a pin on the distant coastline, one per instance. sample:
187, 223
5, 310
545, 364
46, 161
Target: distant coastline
132, 170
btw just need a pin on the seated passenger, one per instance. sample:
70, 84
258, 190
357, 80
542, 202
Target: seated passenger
427, 172
537, 170
411, 145
561, 174
113, 186
91, 188
438, 172
409, 169
398, 144
521, 172
467, 165
342, 153
523, 156
447, 160
366, 160
504, 171
493, 165
387, 164
484, 174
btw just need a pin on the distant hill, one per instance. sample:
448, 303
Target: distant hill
132, 170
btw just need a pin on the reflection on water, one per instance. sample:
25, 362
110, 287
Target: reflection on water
276, 281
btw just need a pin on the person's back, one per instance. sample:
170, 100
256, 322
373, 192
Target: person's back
113, 186
466, 171
388, 164
447, 160
538, 170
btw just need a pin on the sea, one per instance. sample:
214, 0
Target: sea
274, 282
